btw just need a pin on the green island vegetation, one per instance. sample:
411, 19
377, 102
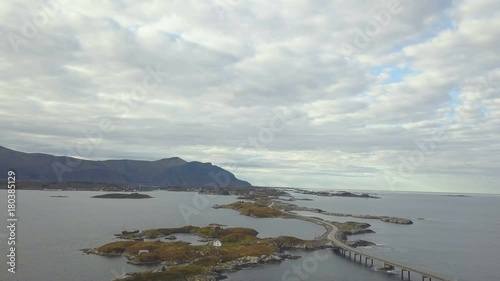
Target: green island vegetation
285, 207
259, 209
351, 228
240, 247
123, 196
205, 232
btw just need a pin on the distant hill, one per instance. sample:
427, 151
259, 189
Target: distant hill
165, 172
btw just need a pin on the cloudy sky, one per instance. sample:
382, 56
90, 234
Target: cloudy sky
331, 94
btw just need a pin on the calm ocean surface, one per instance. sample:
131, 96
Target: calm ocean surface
459, 236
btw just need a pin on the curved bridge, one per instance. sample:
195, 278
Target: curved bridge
332, 235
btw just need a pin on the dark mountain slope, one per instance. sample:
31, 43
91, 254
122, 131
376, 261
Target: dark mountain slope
165, 172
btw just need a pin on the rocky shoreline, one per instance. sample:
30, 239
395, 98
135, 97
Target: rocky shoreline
360, 243
240, 249
251, 261
336, 194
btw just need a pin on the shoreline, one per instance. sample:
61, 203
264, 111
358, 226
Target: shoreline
233, 255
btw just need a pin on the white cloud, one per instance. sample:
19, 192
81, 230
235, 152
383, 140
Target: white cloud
231, 64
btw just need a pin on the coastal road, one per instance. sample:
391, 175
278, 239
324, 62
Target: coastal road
332, 235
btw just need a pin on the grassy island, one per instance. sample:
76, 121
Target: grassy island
123, 196
240, 247
352, 228
259, 209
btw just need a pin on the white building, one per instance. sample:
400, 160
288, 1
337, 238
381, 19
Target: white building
217, 243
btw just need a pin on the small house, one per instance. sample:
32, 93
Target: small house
217, 243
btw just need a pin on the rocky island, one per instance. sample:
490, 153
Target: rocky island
259, 209
288, 207
123, 196
231, 249
352, 228
336, 193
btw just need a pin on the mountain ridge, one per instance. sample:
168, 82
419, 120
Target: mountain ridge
173, 171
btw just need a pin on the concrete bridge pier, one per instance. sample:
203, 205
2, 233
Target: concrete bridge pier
366, 261
402, 273
339, 251
425, 277
356, 256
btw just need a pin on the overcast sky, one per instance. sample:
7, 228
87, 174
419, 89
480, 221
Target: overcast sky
334, 94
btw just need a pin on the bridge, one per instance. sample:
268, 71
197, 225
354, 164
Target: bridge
347, 251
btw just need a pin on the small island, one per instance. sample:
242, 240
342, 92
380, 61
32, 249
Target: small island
229, 250
123, 196
336, 194
351, 228
226, 250
259, 209
267, 208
